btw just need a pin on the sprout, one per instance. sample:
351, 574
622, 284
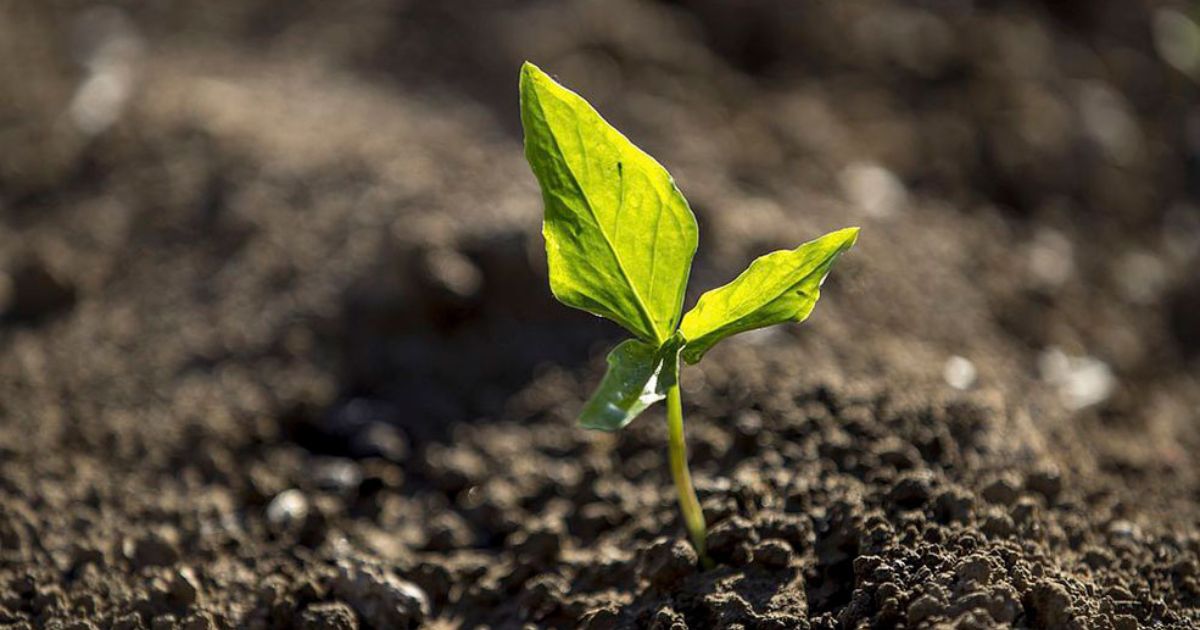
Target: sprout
620, 239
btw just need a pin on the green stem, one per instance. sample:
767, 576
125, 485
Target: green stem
689, 505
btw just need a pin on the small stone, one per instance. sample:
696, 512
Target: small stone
1081, 381
873, 189
773, 554
288, 510
328, 616
1121, 528
381, 599
667, 561
959, 372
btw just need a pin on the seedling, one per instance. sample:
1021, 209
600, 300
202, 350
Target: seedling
619, 242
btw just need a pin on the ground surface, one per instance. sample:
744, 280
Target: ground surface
277, 351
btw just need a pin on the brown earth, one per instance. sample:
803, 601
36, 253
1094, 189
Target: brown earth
277, 348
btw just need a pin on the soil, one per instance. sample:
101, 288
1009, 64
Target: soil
276, 347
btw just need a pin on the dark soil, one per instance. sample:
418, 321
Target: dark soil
276, 347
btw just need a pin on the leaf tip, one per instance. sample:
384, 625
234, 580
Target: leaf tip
533, 77
849, 235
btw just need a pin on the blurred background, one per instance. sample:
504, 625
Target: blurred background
250, 248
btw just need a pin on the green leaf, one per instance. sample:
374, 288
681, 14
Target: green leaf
619, 235
779, 287
638, 376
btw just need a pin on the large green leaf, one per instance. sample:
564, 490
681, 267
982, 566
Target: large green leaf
619, 235
779, 287
638, 376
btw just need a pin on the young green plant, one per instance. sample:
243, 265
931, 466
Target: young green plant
619, 243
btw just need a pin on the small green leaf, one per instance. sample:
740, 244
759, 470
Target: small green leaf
619, 235
779, 287
638, 376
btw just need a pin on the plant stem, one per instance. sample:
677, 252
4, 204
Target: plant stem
689, 505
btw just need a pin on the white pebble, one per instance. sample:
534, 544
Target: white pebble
287, 508
1081, 381
959, 372
874, 189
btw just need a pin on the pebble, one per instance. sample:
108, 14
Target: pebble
1081, 381
1122, 528
873, 189
288, 509
959, 372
